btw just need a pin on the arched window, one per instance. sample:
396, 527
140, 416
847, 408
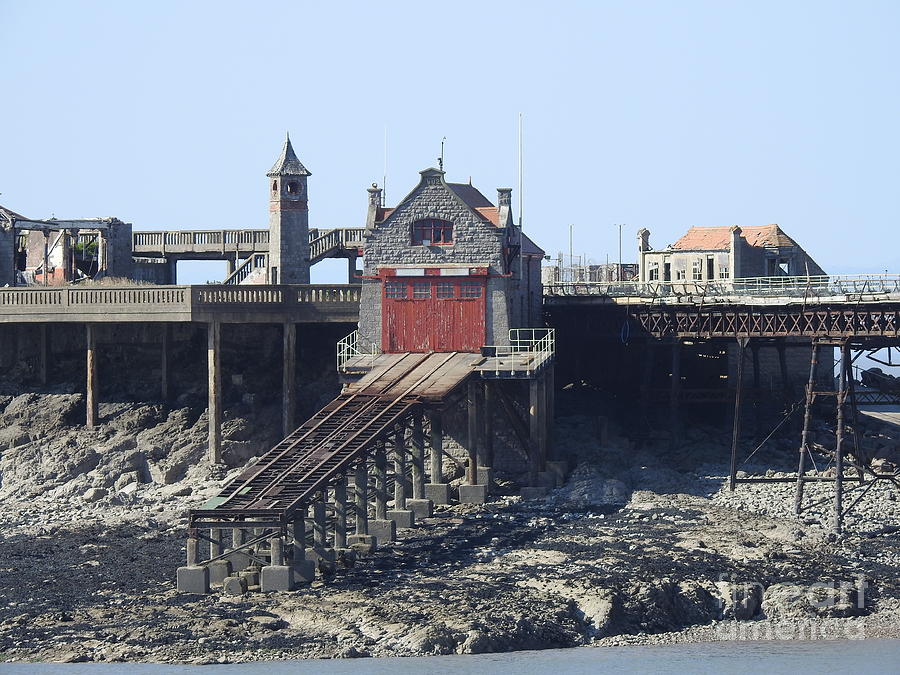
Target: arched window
274, 186
292, 188
432, 231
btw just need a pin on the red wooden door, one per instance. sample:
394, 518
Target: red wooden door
439, 314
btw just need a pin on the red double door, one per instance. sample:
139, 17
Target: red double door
433, 314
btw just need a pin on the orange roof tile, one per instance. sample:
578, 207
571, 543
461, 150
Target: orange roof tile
719, 238
491, 213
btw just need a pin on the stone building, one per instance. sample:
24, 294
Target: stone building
446, 270
722, 253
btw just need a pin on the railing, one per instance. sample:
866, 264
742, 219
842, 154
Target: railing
812, 286
246, 268
323, 242
90, 302
528, 350
348, 348
203, 239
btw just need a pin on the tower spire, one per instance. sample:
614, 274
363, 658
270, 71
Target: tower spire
287, 163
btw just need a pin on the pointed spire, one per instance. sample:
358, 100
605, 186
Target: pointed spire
288, 164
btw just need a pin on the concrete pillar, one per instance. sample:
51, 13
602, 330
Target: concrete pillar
437, 490
361, 498
220, 569
318, 515
675, 395
66, 251
289, 380
193, 548
276, 550
340, 513
418, 459
486, 446
192, 578
298, 535
240, 560
402, 516
102, 252
44, 356
231, 266
92, 407
164, 362
213, 344
351, 269
472, 435
45, 266
380, 482
400, 491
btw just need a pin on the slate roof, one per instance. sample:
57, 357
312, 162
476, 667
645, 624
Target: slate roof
719, 238
288, 164
470, 195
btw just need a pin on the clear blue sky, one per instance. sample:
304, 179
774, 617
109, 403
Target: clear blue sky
654, 114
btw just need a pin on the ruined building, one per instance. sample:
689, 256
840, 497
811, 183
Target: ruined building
722, 253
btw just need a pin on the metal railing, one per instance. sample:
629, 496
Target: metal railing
811, 286
349, 347
528, 350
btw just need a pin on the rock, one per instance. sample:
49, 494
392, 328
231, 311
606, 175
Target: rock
13, 436
94, 494
804, 600
739, 601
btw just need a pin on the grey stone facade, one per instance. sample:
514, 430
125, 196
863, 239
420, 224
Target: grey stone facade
482, 237
7, 250
288, 219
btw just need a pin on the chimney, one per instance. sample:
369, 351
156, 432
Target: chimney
735, 249
643, 246
374, 205
504, 206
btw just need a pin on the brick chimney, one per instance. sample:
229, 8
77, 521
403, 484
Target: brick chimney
374, 205
504, 207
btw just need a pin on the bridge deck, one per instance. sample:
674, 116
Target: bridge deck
324, 447
138, 304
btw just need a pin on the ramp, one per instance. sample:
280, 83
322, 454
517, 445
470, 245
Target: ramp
322, 449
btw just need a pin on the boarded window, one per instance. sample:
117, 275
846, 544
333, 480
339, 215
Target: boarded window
432, 231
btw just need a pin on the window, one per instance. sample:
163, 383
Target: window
679, 275
292, 188
445, 289
395, 290
653, 272
723, 271
696, 270
421, 290
470, 289
433, 231
274, 186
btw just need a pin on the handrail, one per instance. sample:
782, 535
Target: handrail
810, 286
537, 344
348, 347
323, 242
246, 268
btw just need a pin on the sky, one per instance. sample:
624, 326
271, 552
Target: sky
649, 114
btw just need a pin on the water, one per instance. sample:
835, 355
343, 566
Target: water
715, 658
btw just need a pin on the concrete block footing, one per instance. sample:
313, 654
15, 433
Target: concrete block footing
363, 544
384, 531
403, 518
304, 571
486, 476
438, 493
473, 494
546, 479
324, 559
239, 560
234, 585
421, 508
219, 571
277, 578
534, 492
560, 469
251, 575
193, 579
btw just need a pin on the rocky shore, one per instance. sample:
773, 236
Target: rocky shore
641, 545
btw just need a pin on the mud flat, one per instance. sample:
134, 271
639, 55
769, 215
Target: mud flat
639, 547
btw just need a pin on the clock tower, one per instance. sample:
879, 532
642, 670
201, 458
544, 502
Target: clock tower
288, 219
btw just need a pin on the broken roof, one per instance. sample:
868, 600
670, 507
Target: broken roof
719, 238
288, 164
11, 215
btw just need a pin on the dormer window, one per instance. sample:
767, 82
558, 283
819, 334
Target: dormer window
432, 232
